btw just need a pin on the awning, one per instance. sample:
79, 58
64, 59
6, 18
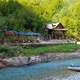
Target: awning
27, 33
10, 33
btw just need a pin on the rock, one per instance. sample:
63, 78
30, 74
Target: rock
22, 60
44, 57
17, 61
35, 59
38, 58
2, 65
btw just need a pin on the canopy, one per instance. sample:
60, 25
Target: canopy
27, 33
10, 33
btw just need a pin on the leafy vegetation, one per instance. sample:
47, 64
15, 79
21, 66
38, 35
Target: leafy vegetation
33, 15
10, 51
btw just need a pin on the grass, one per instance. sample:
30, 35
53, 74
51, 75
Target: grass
10, 51
53, 48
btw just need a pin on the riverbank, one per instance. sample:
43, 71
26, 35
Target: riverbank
46, 57
27, 55
34, 50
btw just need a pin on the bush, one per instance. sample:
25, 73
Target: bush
8, 51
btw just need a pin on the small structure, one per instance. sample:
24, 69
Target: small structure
27, 33
1, 41
15, 36
9, 33
56, 31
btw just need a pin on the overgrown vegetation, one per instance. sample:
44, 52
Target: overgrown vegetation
10, 51
32, 15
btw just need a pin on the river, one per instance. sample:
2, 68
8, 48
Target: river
55, 70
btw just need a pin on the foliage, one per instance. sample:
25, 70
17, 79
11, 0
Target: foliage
33, 15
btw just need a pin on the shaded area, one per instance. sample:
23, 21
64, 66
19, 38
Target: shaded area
16, 16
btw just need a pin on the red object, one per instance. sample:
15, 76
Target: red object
1, 41
9, 33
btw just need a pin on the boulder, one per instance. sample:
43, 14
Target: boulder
22, 60
35, 59
17, 61
3, 63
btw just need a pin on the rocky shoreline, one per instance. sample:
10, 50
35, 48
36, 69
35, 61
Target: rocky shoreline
46, 57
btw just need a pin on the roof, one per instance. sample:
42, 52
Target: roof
52, 25
28, 33
22, 33
56, 26
49, 26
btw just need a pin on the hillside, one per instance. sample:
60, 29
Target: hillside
24, 15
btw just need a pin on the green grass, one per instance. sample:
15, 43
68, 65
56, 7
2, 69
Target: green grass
53, 48
9, 51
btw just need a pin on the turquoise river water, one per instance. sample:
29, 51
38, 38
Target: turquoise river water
55, 70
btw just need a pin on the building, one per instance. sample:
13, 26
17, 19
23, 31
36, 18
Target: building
15, 36
56, 31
